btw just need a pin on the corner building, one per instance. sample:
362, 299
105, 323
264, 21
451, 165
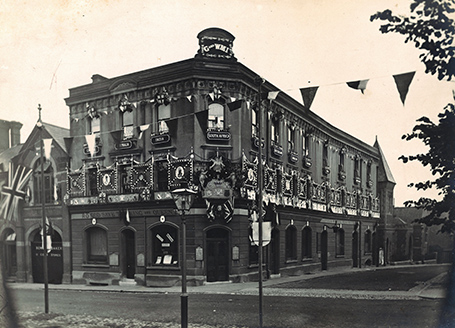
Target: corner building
195, 124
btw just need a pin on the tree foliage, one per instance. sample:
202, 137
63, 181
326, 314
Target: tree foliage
440, 139
431, 29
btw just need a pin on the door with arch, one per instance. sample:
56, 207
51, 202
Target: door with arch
128, 253
324, 249
355, 248
54, 259
217, 246
9, 258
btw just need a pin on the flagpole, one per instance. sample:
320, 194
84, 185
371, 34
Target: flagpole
44, 227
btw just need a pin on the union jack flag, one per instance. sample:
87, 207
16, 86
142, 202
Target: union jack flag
14, 192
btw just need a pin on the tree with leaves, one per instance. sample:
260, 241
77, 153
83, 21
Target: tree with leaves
432, 31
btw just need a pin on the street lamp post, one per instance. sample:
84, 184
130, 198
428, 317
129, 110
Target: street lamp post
183, 199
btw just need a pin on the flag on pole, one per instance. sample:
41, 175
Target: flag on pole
14, 191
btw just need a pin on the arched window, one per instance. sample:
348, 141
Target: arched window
216, 117
291, 243
165, 245
367, 241
306, 243
48, 180
96, 246
128, 124
339, 241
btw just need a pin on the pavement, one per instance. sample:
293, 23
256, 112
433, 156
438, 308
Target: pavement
432, 289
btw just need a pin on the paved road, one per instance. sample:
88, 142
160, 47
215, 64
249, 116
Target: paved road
229, 305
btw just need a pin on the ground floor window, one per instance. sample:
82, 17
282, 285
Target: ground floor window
96, 245
165, 245
291, 243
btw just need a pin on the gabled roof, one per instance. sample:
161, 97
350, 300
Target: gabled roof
386, 172
57, 133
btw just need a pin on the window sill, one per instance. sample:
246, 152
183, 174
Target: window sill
307, 259
94, 265
291, 261
158, 267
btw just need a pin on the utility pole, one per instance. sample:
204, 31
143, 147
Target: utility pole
44, 235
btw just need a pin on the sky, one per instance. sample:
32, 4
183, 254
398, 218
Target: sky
50, 46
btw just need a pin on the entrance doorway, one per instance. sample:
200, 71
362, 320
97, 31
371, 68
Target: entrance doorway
54, 259
275, 252
355, 249
128, 254
9, 258
324, 249
217, 246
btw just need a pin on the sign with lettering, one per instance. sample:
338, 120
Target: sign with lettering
218, 135
125, 144
216, 47
160, 139
216, 43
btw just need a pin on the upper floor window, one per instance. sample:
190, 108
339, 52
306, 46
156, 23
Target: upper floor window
306, 144
127, 123
94, 126
291, 138
216, 117
254, 123
325, 155
275, 131
48, 180
163, 114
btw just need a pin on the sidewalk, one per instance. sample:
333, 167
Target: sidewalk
431, 289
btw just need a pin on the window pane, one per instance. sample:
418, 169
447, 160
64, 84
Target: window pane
96, 245
165, 245
216, 116
127, 118
95, 124
164, 112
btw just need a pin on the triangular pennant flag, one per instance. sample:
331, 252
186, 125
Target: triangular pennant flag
91, 143
272, 95
358, 85
212, 95
189, 98
308, 95
127, 217
233, 99
235, 105
403, 81
47, 145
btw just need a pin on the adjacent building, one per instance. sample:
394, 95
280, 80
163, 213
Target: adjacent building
30, 183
